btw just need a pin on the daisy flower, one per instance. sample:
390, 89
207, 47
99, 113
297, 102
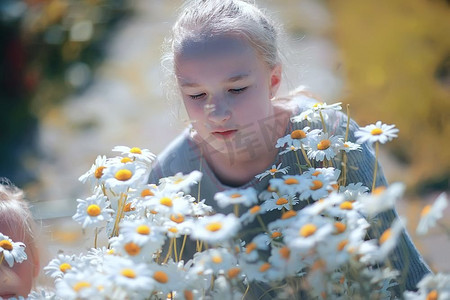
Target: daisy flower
168, 278
11, 251
377, 202
216, 229
377, 132
297, 138
93, 210
288, 184
95, 173
168, 203
246, 197
431, 213
250, 215
130, 249
319, 187
324, 106
431, 286
86, 284
58, 266
141, 232
349, 146
180, 182
353, 190
324, 146
287, 260
279, 202
134, 278
120, 177
139, 154
261, 271
272, 171
214, 261
250, 252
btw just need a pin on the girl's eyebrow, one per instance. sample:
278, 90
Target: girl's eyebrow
231, 79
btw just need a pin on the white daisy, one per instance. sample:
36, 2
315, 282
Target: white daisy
319, 187
11, 251
214, 261
431, 213
297, 137
216, 229
287, 260
168, 278
245, 197
58, 266
279, 202
120, 177
250, 215
168, 203
93, 210
143, 155
353, 190
272, 171
288, 184
377, 132
431, 286
132, 250
324, 106
377, 202
86, 284
324, 146
141, 232
180, 182
349, 146
95, 174
250, 252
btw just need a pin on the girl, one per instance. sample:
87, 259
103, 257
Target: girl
225, 58
17, 230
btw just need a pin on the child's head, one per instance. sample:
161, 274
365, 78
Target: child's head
17, 223
227, 65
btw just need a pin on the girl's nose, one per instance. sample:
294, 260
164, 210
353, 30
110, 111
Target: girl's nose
218, 111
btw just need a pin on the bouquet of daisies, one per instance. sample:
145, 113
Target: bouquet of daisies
163, 243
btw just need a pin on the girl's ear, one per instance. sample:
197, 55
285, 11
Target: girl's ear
275, 79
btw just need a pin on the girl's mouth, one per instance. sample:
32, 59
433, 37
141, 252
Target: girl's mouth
225, 134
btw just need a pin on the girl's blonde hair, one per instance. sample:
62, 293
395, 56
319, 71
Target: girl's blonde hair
15, 214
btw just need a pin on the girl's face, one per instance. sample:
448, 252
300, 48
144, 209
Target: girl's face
18, 280
226, 88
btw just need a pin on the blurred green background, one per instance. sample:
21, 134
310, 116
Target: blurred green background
81, 76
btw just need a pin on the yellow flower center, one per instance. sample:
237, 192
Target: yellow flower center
81, 285
146, 192
324, 144
214, 226
161, 277
385, 236
188, 295
132, 249
264, 267
236, 196
273, 170
425, 210
128, 207
378, 190
276, 234
250, 248
318, 264
288, 214
93, 210
341, 245
178, 218
346, 205
290, 181
173, 229
125, 160
285, 253
298, 134
216, 259
64, 267
308, 230
281, 201
317, 184
166, 201
123, 175
99, 172
129, 273
340, 227
233, 272
255, 209
143, 229
433, 295
5, 244
376, 131
136, 150
316, 173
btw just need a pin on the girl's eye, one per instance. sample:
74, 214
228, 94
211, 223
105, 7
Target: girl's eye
198, 96
237, 91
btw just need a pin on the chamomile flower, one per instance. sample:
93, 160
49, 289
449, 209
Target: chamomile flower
349, 146
279, 202
377, 202
288, 184
93, 210
297, 138
319, 187
245, 197
377, 132
141, 232
272, 171
180, 182
167, 203
60, 265
287, 260
324, 106
214, 261
431, 286
324, 146
250, 215
120, 177
11, 251
134, 278
168, 277
431, 213
353, 190
134, 251
86, 284
250, 252
216, 229
95, 173
139, 154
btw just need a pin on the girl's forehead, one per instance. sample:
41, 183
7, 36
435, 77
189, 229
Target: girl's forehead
213, 45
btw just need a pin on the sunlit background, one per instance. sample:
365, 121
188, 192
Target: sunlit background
79, 77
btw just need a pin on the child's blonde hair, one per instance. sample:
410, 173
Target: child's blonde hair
15, 214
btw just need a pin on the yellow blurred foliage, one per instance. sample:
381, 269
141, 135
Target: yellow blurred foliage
391, 53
